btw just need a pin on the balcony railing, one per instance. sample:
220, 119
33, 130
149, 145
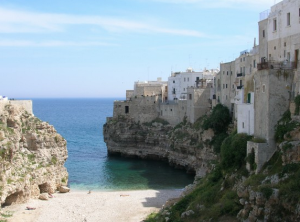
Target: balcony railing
239, 87
240, 74
277, 65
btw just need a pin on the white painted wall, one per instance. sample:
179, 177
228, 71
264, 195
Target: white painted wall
180, 81
245, 118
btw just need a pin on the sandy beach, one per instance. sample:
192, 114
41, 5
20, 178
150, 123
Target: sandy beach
79, 206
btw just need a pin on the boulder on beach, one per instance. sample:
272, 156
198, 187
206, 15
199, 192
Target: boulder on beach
44, 196
64, 189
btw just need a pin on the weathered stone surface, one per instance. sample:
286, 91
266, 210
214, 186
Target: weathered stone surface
157, 141
26, 166
64, 189
44, 196
187, 213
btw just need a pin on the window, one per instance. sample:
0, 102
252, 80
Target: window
241, 60
288, 56
188, 79
223, 86
184, 79
244, 59
288, 19
243, 125
254, 63
173, 81
171, 109
264, 88
233, 86
263, 34
284, 53
227, 72
231, 73
161, 112
284, 44
126, 109
226, 86
190, 96
183, 89
226, 97
274, 25
274, 47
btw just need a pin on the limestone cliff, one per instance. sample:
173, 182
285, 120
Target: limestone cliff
182, 146
32, 156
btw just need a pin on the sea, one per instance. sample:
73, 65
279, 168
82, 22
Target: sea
80, 122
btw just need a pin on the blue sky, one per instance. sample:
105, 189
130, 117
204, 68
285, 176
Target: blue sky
99, 48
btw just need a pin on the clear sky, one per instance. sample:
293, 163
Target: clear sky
99, 48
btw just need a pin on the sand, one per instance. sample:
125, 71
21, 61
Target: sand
79, 206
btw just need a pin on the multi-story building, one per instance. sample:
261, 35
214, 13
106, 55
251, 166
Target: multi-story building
178, 82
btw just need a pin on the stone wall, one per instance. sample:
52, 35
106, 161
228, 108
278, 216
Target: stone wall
198, 102
263, 152
173, 111
140, 109
25, 104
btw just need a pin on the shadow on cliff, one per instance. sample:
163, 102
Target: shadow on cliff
161, 196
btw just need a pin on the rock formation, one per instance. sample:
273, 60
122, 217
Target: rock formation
183, 146
32, 156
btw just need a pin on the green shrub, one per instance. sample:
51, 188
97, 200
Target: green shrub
31, 157
251, 160
297, 104
233, 151
217, 141
287, 146
266, 190
219, 120
54, 160
284, 125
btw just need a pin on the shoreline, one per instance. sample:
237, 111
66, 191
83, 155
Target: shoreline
121, 206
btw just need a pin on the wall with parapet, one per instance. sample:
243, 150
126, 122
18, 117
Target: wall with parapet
140, 109
25, 104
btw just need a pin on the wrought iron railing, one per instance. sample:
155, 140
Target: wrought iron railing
277, 65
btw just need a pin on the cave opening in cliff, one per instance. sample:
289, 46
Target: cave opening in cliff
44, 188
13, 198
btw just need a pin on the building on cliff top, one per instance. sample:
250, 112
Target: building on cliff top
259, 86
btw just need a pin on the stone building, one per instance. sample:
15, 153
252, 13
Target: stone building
277, 78
178, 82
142, 103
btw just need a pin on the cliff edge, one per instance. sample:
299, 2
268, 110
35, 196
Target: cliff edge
183, 146
32, 156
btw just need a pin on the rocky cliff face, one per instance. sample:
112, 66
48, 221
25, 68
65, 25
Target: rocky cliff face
32, 157
182, 146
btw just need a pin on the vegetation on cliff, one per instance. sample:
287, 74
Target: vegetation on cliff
231, 193
32, 156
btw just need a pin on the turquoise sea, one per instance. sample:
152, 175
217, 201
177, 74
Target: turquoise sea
80, 122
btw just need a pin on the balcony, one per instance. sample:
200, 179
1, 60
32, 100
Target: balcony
239, 87
240, 74
277, 65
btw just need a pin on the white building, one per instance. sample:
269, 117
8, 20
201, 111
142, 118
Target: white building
3, 98
245, 116
178, 82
